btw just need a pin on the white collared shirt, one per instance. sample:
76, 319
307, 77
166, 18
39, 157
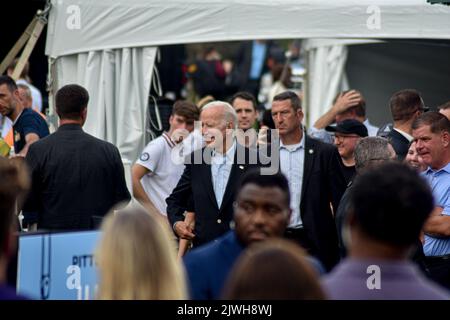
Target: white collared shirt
292, 159
371, 129
220, 171
164, 173
406, 135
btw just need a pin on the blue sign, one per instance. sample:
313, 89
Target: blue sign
58, 266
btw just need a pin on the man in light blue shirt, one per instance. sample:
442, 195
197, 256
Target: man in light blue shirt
292, 158
316, 182
431, 131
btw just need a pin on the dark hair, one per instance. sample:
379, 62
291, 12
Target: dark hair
244, 95
404, 103
390, 203
437, 122
186, 109
10, 83
289, 95
273, 269
444, 106
360, 108
277, 180
14, 183
70, 101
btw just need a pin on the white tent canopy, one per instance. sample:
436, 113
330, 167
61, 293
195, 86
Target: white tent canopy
108, 46
86, 25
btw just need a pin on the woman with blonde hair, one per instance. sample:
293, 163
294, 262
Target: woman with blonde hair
136, 258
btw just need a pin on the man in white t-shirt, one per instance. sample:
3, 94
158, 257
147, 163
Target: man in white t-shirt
160, 165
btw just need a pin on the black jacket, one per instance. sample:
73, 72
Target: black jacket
75, 178
323, 184
399, 143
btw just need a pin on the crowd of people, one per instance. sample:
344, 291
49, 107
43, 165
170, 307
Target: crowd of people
237, 210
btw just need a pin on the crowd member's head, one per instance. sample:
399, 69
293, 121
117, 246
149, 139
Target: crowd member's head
262, 207
371, 152
184, 114
219, 120
346, 135
357, 112
406, 105
287, 114
273, 270
71, 103
431, 131
385, 220
413, 159
245, 105
10, 104
14, 183
136, 259
445, 109
25, 96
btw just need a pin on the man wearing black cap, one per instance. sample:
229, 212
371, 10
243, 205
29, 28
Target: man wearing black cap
346, 135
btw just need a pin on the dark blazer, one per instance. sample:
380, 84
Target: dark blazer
208, 267
399, 143
323, 183
196, 182
75, 179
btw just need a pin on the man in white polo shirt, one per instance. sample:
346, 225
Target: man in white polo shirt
156, 172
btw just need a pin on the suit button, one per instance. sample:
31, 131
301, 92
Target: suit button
219, 221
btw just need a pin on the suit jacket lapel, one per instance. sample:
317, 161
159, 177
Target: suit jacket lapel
307, 166
207, 177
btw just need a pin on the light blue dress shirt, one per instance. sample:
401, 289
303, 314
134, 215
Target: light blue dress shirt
439, 181
258, 53
220, 171
292, 158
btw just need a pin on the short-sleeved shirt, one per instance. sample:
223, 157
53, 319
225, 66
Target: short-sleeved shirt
164, 159
29, 121
439, 181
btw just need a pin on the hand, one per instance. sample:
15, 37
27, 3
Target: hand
183, 230
179, 135
262, 135
346, 101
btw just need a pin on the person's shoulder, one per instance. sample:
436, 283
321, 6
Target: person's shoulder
8, 293
157, 143
101, 144
211, 249
312, 142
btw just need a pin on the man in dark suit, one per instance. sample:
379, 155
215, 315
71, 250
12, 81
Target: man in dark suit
76, 178
207, 186
406, 105
316, 181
